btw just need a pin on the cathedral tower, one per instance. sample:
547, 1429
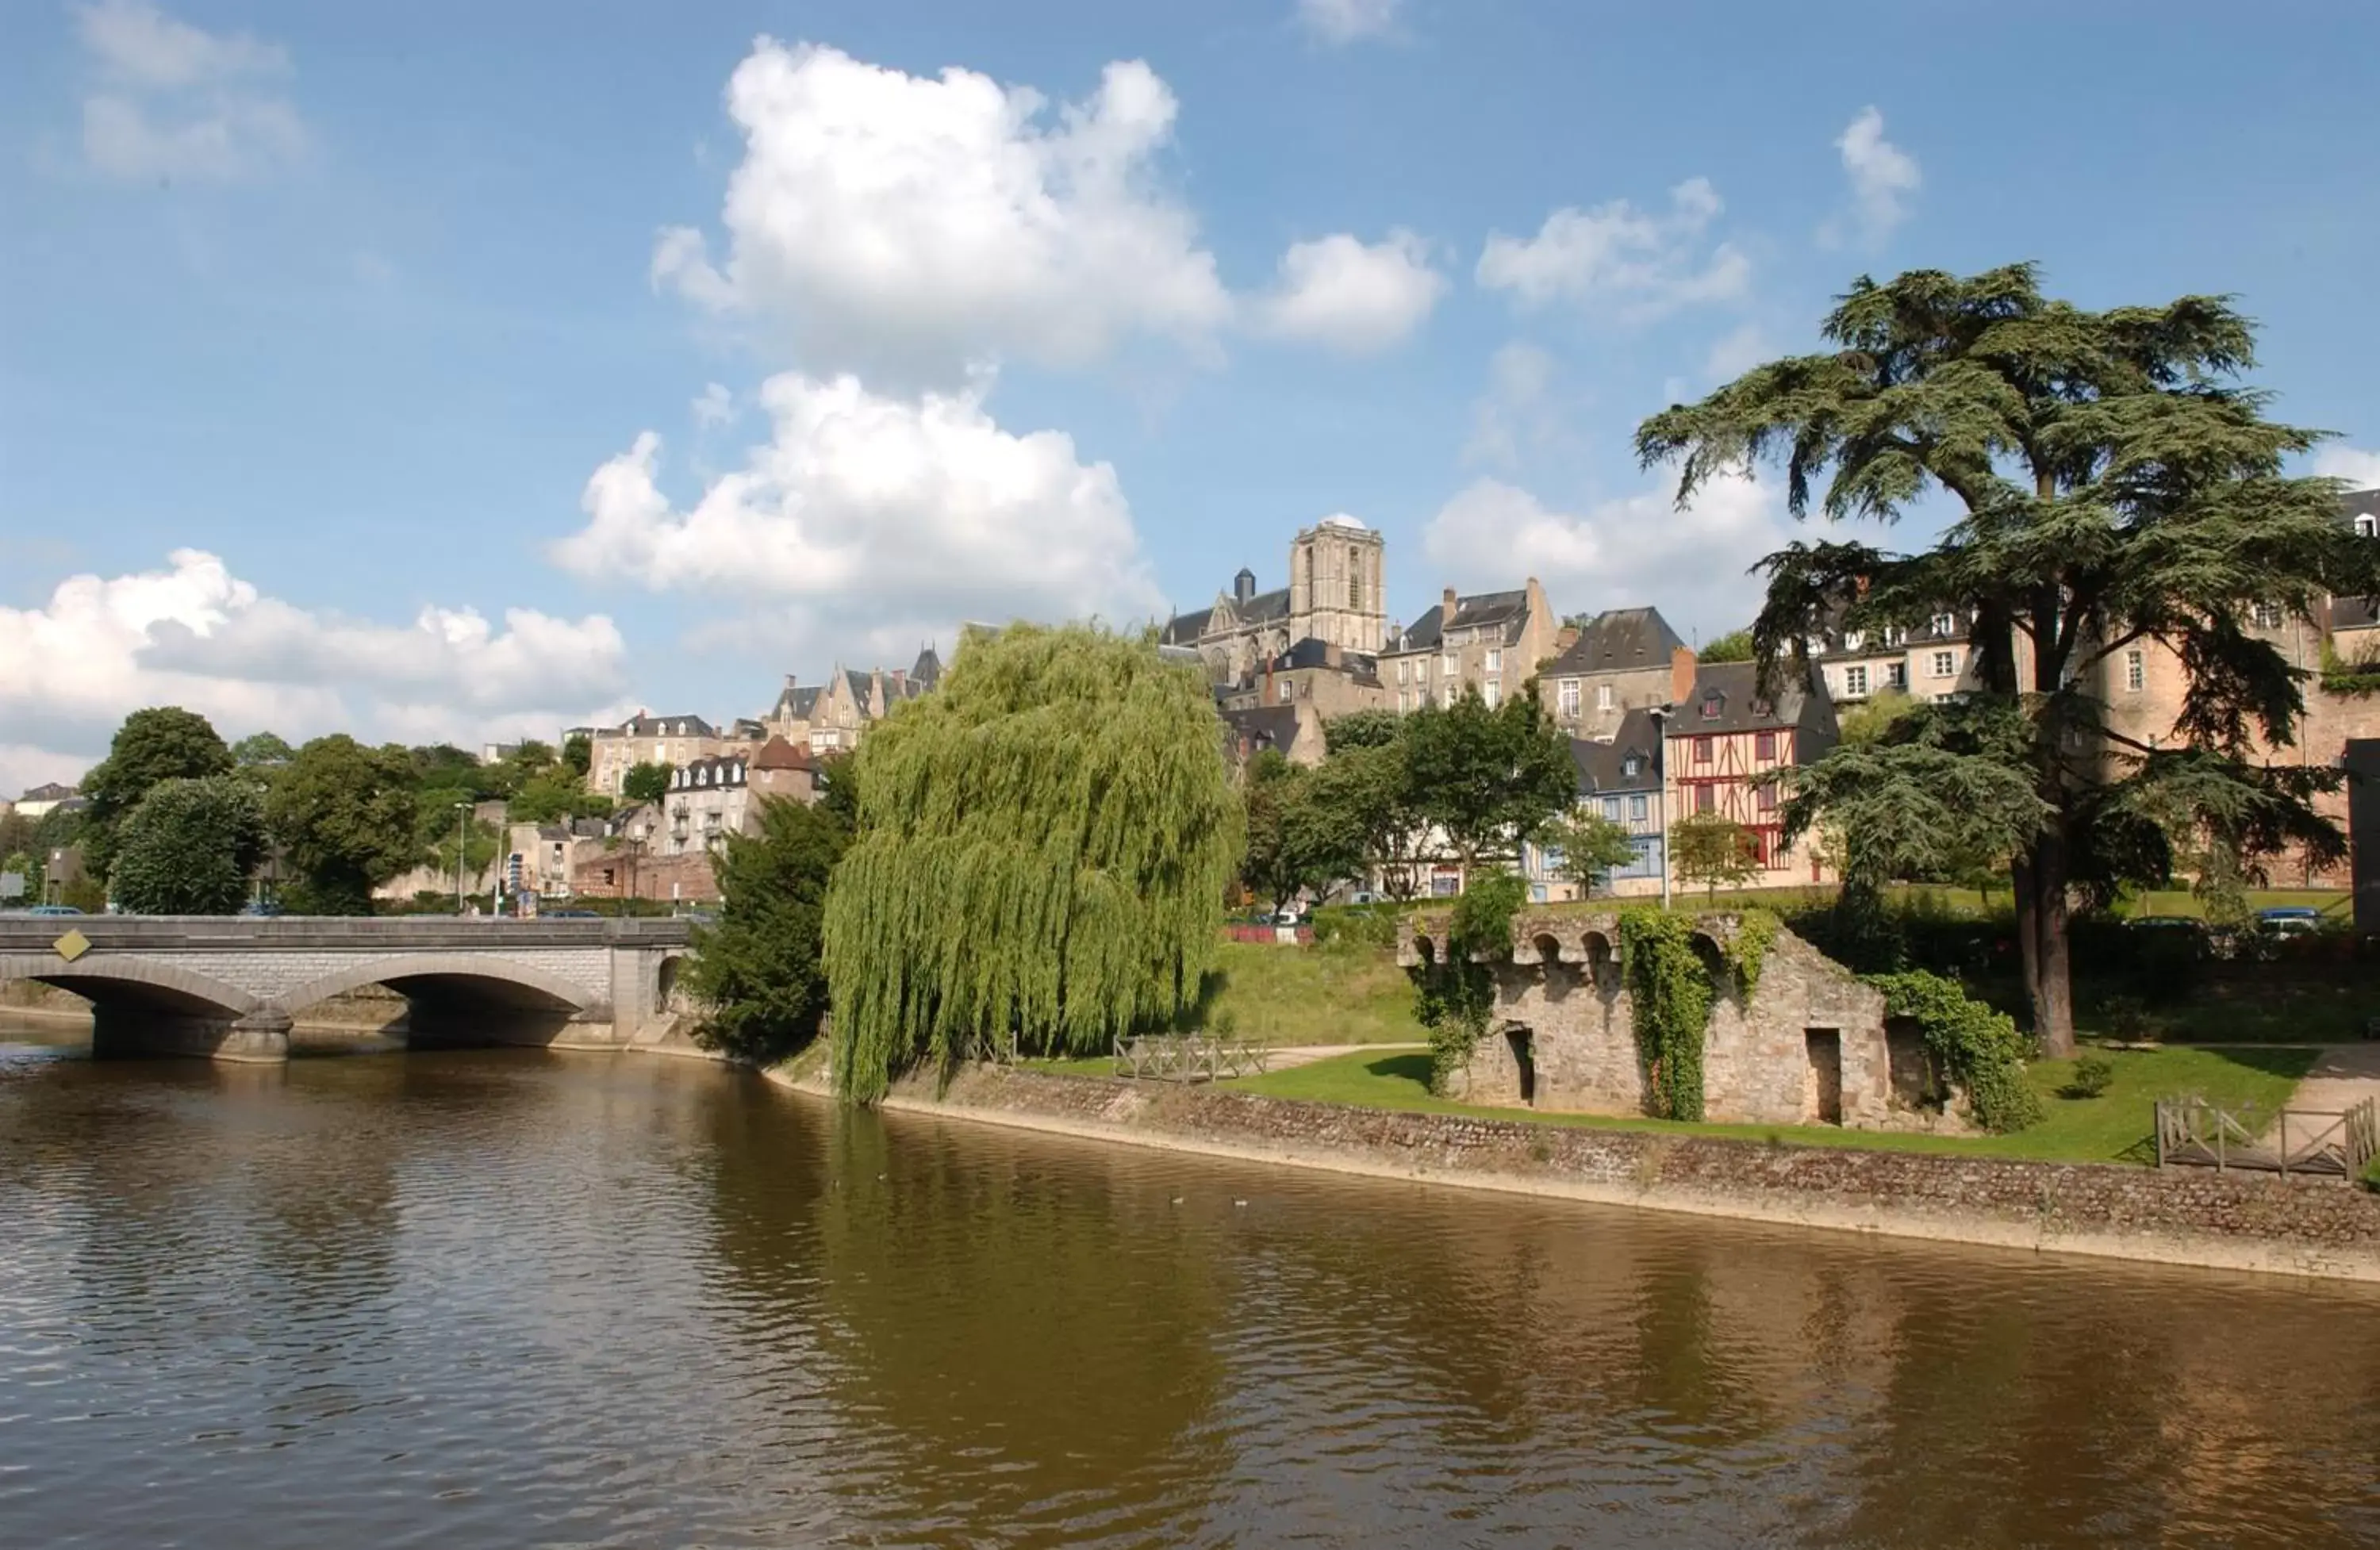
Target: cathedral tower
1338, 587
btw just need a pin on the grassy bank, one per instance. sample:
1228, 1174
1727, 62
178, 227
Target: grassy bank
1338, 993
2115, 1127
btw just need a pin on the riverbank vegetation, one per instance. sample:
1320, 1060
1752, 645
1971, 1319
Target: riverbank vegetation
759, 973
1042, 853
2114, 1126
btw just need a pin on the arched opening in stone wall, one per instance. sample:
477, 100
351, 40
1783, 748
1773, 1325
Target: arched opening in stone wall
665, 984
454, 1000
1602, 967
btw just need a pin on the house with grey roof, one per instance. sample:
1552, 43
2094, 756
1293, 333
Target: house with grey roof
1619, 780
1724, 742
1494, 642
1624, 659
1337, 594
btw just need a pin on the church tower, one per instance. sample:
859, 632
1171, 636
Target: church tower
1338, 590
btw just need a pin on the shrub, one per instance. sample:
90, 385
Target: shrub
1372, 925
1980, 1047
2092, 1075
1454, 997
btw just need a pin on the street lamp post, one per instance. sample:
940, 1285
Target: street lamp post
1660, 714
461, 810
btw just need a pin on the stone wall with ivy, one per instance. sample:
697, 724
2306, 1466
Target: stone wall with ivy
1733, 1000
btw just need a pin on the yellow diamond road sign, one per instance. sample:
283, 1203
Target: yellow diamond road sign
72, 945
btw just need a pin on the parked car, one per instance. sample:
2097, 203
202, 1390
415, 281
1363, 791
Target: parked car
567, 914
263, 907
2289, 920
54, 909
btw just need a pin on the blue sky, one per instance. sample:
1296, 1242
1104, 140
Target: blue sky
448, 371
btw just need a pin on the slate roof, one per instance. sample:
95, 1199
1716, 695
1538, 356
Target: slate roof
1264, 726
51, 791
2354, 613
2360, 502
641, 725
1731, 689
1831, 642
795, 705
1312, 651
1480, 610
927, 670
1617, 640
1603, 767
1188, 629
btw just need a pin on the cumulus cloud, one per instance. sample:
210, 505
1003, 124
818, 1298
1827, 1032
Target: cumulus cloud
713, 407
1349, 21
1883, 178
1339, 293
171, 100
1620, 553
1618, 259
866, 515
2361, 469
195, 635
910, 226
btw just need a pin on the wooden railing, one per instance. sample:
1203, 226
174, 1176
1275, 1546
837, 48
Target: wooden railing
2194, 1133
1185, 1058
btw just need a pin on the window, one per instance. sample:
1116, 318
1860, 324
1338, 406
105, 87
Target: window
2367, 526
1896, 674
1945, 626
2135, 672
1285, 688
1637, 809
1400, 671
1855, 680
1712, 704
1946, 664
1703, 749
1446, 663
1611, 808
1490, 692
1566, 698
2265, 616
1446, 694
1854, 639
1764, 747
1355, 587
1631, 764
1769, 798
1603, 697
1894, 634
1309, 579
1495, 659
1706, 798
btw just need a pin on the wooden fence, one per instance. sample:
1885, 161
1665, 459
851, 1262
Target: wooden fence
2194, 1133
1185, 1058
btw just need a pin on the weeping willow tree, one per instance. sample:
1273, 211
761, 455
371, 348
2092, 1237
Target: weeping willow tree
1043, 848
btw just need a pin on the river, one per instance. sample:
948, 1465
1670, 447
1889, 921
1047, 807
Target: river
509, 1298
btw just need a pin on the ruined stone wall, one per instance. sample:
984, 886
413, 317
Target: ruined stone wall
1563, 987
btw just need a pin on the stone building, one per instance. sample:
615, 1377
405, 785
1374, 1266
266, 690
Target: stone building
1331, 679
1809, 1045
1932, 661
1292, 731
1493, 642
832, 717
1624, 659
1337, 594
643, 739
1724, 737
1619, 780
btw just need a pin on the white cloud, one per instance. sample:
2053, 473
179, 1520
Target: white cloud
1883, 177
2359, 468
1516, 414
196, 636
912, 226
1339, 293
1621, 554
172, 101
1348, 21
1616, 258
865, 514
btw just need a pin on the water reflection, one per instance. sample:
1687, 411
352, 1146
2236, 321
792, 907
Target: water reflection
510, 1297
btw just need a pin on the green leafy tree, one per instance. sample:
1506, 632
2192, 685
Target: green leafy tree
164, 742
646, 782
346, 815
1592, 847
1043, 848
759, 973
1489, 779
1299, 835
1715, 851
1366, 780
1733, 647
552, 796
1870, 719
578, 753
261, 749
190, 848
2112, 482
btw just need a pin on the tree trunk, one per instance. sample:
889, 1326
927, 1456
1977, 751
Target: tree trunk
2042, 912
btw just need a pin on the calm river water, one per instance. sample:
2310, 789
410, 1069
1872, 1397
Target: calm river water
507, 1298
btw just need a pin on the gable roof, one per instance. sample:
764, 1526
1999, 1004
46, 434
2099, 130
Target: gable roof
1225, 614
1732, 690
1603, 767
642, 725
1479, 611
927, 670
1264, 726
778, 753
1617, 641
1312, 653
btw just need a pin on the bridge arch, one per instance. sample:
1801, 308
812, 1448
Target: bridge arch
141, 984
450, 976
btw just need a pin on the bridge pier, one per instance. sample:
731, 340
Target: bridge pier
121, 1031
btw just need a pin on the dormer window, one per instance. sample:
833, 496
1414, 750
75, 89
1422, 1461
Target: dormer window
1854, 639
1946, 624
1711, 704
2367, 526
1631, 766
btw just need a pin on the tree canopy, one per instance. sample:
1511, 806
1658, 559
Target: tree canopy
1733, 647
346, 815
261, 748
1043, 848
164, 742
1302, 832
1713, 850
190, 847
1489, 779
1592, 847
646, 782
2114, 482
758, 972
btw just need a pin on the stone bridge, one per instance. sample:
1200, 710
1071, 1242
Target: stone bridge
226, 986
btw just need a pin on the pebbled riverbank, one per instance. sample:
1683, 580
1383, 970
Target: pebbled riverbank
2173, 1216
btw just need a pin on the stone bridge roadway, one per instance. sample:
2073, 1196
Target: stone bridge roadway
226, 986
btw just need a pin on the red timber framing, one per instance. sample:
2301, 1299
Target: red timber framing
1717, 772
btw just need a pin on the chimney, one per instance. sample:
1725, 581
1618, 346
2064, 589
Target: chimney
1446, 608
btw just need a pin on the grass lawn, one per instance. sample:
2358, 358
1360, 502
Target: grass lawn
1335, 993
2115, 1127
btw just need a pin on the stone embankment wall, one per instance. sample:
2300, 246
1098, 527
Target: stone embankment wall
2180, 1217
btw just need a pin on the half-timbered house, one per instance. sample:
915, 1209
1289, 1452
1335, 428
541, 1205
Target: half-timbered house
1727, 736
